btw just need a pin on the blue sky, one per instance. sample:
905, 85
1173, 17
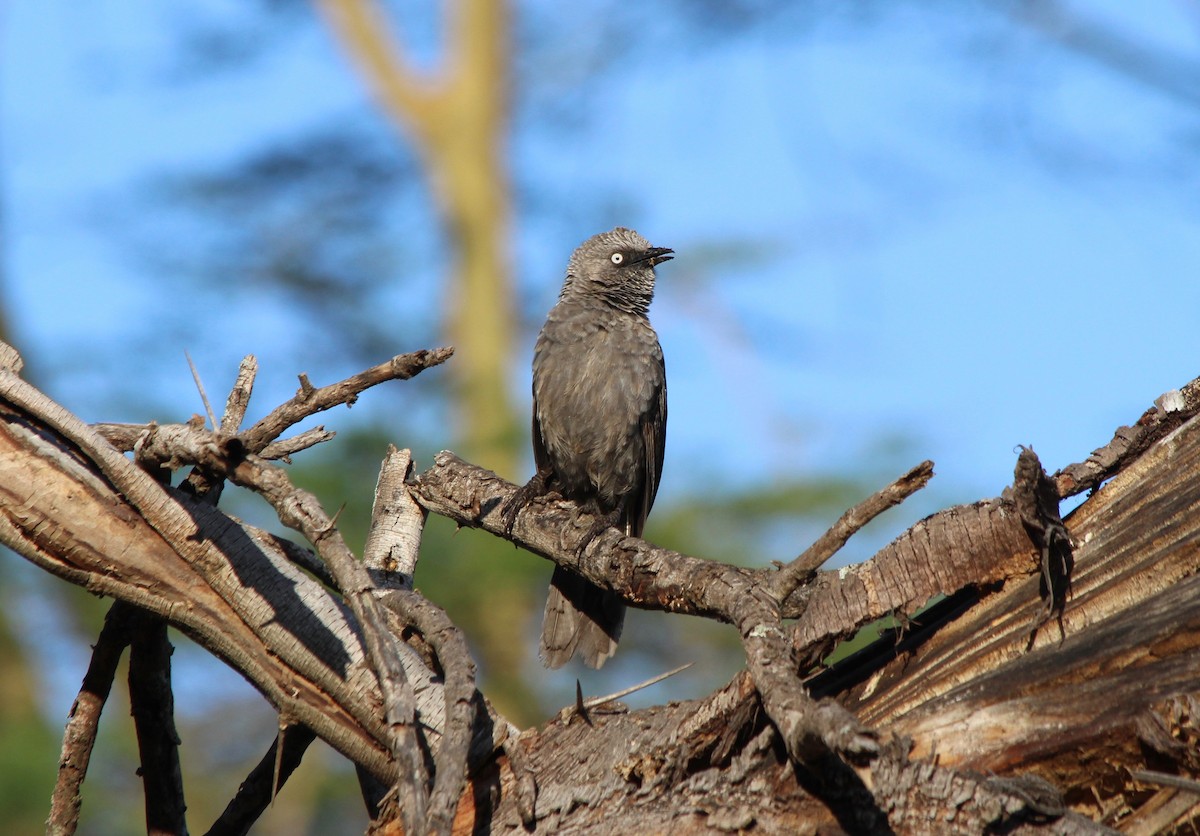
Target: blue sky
967, 252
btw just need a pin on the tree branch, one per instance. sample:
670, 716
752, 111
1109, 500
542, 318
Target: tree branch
461, 703
1170, 410
654, 578
309, 400
80, 736
801, 570
264, 782
152, 705
231, 590
363, 27
301, 511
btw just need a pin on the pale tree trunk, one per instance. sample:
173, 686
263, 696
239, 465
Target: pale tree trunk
458, 120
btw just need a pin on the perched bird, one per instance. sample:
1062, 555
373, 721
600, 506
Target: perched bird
599, 423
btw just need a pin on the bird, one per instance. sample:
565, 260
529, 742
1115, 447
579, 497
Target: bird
599, 424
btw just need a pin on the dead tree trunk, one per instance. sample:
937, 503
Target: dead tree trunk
1008, 704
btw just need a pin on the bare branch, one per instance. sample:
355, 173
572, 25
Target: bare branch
1166, 779
301, 510
459, 697
231, 589
309, 401
364, 28
285, 448
1170, 411
177, 521
966, 546
801, 570
208, 410
595, 702
654, 578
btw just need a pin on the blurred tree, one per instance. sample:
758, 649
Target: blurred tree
458, 122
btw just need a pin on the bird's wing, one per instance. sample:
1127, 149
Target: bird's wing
654, 439
541, 459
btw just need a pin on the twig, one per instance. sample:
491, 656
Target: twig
309, 400
287, 447
212, 417
1166, 779
79, 738
790, 577
264, 781
624, 692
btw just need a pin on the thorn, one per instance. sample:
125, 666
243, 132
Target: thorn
580, 705
597, 701
212, 418
337, 515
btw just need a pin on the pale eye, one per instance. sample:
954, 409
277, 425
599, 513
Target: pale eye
617, 258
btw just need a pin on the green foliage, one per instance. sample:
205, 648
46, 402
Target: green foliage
28, 745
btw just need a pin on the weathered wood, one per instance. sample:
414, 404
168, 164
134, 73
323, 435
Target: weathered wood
1117, 692
964, 546
970, 703
1170, 410
714, 765
233, 592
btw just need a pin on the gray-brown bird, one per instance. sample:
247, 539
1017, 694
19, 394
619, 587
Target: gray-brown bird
599, 423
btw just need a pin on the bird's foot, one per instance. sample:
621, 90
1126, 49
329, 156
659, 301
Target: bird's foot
602, 524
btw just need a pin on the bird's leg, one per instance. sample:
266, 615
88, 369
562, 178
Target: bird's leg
533, 488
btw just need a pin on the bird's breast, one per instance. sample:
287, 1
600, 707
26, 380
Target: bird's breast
594, 380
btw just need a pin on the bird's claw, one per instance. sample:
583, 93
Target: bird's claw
520, 498
601, 525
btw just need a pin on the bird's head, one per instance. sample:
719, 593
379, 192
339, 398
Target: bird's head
617, 266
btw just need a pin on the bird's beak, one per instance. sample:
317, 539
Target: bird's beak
657, 255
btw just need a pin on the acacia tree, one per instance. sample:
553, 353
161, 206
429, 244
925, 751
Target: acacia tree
1050, 688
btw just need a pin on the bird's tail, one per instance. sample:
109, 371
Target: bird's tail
580, 618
